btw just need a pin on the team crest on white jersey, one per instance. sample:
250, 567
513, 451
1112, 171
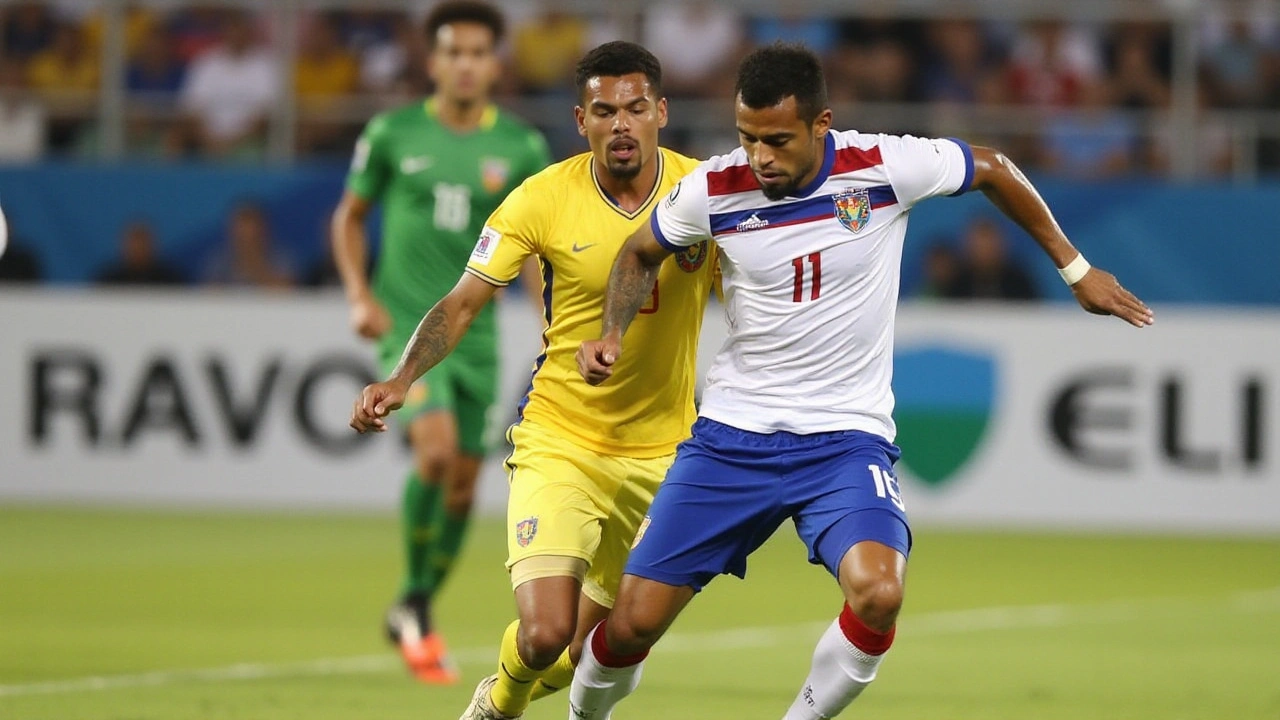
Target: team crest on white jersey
853, 209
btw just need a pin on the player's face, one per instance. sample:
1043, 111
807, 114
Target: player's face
784, 150
620, 118
464, 63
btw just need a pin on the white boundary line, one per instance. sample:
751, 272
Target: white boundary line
924, 625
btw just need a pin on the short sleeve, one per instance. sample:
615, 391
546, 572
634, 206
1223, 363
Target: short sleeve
511, 234
370, 170
682, 219
921, 168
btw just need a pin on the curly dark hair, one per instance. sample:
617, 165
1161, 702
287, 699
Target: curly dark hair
771, 73
467, 11
615, 59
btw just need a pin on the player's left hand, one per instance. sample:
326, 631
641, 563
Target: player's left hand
1101, 294
596, 359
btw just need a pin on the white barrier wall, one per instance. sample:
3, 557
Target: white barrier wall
1043, 416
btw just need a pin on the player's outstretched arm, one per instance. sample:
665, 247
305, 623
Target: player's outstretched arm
1095, 289
350, 256
436, 336
635, 270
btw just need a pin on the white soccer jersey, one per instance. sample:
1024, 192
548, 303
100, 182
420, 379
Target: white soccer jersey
811, 281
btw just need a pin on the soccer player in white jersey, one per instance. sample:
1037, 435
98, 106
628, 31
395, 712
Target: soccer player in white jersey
796, 418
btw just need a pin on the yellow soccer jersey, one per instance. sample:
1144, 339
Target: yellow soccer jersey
563, 216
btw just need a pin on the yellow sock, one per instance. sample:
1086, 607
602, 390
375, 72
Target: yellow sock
555, 678
510, 695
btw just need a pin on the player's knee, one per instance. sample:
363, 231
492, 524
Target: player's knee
542, 640
434, 465
458, 502
877, 602
632, 633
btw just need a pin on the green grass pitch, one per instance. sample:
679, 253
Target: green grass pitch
149, 615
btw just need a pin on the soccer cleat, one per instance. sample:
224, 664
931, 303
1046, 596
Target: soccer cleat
481, 707
425, 655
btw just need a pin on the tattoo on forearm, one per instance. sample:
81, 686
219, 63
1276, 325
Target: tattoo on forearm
630, 283
428, 346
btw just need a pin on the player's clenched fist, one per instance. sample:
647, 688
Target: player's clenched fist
375, 403
596, 359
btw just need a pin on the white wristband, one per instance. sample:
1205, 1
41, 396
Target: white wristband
1075, 270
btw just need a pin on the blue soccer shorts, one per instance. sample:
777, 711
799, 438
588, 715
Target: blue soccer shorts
729, 490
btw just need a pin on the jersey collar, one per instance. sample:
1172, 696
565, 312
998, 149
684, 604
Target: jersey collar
488, 118
828, 160
613, 203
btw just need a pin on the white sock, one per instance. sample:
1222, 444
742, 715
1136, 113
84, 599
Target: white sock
597, 688
840, 671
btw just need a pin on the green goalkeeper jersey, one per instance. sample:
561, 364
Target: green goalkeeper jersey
436, 188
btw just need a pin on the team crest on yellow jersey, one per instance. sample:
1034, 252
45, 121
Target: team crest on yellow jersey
853, 209
494, 173
526, 531
692, 257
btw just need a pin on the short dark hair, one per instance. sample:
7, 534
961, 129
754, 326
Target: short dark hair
772, 73
465, 11
615, 59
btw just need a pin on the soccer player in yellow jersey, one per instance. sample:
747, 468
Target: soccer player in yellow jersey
586, 460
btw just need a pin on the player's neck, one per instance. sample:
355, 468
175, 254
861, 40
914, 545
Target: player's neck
459, 115
630, 194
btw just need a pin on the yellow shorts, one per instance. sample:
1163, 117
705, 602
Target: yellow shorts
570, 502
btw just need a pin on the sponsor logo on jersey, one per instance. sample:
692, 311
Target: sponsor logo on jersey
945, 398
526, 531
644, 525
486, 246
755, 222
494, 173
692, 257
415, 164
853, 209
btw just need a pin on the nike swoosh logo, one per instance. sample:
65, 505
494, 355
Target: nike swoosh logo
580, 248
411, 165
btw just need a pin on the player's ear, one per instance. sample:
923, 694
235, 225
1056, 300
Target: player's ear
822, 124
662, 112
580, 117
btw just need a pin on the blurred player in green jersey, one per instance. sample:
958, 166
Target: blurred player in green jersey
438, 168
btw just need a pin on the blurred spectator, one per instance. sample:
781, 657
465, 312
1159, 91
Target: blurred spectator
1051, 62
195, 30
820, 34
873, 61
66, 65
987, 272
22, 118
961, 67
139, 264
139, 23
324, 72
154, 68
940, 272
1215, 156
1236, 66
1094, 140
28, 30
546, 49
249, 256
66, 76
227, 94
385, 62
1136, 77
699, 43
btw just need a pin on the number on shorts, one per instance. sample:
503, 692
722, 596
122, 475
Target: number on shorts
887, 486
